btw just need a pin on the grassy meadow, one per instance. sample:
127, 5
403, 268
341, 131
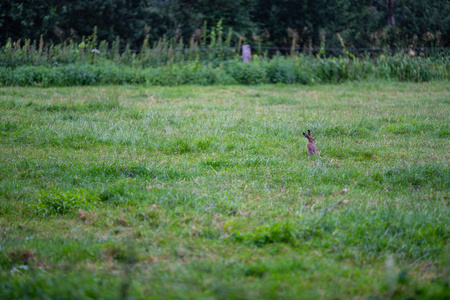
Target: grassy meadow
139, 192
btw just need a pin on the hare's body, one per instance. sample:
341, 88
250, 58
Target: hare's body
311, 147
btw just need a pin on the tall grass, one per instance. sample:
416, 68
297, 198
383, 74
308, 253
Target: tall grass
206, 60
301, 70
216, 48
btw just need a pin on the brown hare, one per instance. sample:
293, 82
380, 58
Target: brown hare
311, 147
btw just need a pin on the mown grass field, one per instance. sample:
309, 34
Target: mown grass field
208, 192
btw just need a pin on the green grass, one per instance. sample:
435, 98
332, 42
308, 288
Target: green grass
307, 70
208, 192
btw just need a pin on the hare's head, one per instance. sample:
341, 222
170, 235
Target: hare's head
309, 137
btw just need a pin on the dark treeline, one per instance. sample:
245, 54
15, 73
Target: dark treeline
270, 23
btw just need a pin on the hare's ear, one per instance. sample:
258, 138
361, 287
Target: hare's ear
305, 135
309, 132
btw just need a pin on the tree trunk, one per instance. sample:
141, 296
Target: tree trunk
390, 11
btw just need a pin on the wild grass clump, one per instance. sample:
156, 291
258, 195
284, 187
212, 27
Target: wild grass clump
411, 235
41, 286
56, 202
419, 175
268, 234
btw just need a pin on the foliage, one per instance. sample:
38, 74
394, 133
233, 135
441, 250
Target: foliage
303, 70
361, 24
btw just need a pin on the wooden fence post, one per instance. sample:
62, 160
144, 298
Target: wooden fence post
246, 53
